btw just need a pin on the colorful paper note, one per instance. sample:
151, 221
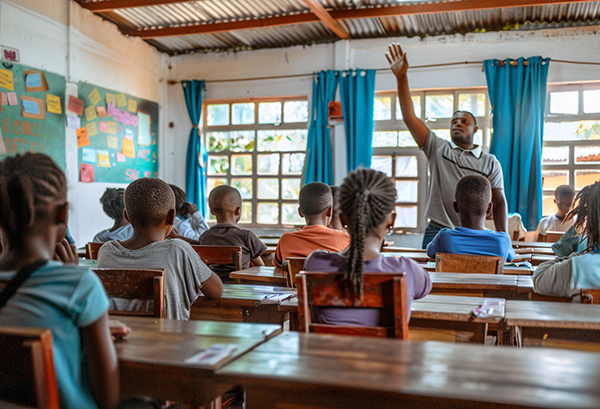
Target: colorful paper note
6, 79
103, 159
127, 148
73, 122
121, 100
111, 99
111, 127
120, 157
82, 138
110, 109
4, 98
92, 129
12, 98
112, 142
86, 173
30, 107
53, 104
33, 80
102, 126
88, 155
2, 145
95, 97
132, 106
90, 113
101, 111
75, 105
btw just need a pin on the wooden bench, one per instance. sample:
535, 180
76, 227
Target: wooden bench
231, 255
91, 250
291, 267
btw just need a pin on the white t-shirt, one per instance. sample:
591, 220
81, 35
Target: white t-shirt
515, 224
551, 223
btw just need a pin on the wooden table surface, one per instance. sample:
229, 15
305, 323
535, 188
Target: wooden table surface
262, 274
524, 244
552, 314
329, 371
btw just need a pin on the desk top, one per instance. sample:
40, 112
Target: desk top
522, 244
552, 314
254, 294
261, 273
473, 281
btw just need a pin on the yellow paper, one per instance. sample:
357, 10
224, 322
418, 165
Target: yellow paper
90, 113
53, 104
111, 127
127, 148
132, 106
111, 99
103, 160
6, 80
112, 142
95, 97
92, 129
121, 100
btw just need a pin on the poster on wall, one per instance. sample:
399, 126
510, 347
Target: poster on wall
31, 114
117, 137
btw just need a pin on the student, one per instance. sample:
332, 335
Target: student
189, 223
563, 277
516, 230
68, 300
150, 208
472, 201
112, 204
316, 206
563, 197
367, 203
335, 223
225, 203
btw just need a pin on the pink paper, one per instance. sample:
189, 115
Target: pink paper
120, 157
101, 111
148, 173
128, 136
103, 126
134, 120
110, 109
12, 98
4, 99
86, 173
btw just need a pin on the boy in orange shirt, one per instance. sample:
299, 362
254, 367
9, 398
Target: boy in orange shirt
316, 206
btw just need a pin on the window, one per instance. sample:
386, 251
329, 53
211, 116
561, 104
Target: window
396, 153
258, 146
571, 151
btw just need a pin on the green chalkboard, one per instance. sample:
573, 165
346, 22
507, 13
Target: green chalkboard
26, 121
122, 136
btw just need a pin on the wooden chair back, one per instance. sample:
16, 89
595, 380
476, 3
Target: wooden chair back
134, 283
91, 250
220, 255
589, 296
461, 263
552, 236
27, 365
291, 267
381, 290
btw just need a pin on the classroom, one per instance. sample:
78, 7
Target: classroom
459, 135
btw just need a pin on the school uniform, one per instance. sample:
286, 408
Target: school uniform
551, 223
122, 233
308, 239
462, 240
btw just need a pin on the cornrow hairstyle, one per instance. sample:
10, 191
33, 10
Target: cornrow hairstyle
366, 198
473, 194
466, 112
180, 200
148, 201
112, 202
587, 210
315, 198
30, 184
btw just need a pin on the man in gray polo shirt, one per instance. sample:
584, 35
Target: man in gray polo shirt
448, 161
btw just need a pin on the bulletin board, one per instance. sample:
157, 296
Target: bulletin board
118, 138
31, 112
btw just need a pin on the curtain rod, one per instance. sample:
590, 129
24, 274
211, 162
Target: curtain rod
448, 64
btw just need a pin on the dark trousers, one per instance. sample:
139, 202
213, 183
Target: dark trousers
430, 232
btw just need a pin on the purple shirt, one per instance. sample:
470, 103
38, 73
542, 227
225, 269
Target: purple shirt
418, 285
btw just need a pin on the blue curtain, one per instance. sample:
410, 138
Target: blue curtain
195, 165
518, 98
319, 163
357, 90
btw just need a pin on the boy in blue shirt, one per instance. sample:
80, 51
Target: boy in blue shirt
472, 201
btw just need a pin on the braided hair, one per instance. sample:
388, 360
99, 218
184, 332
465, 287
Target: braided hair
30, 184
366, 198
587, 210
112, 202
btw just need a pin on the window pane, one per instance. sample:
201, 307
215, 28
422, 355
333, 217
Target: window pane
269, 113
405, 139
382, 108
586, 177
246, 212
591, 101
571, 131
473, 103
587, 154
241, 164
439, 106
295, 111
406, 216
217, 141
555, 155
212, 183
242, 141
407, 190
284, 140
242, 114
268, 164
244, 186
407, 166
443, 134
290, 188
416, 100
289, 214
564, 102
548, 205
268, 213
218, 164
384, 139
554, 178
268, 188
217, 115
382, 164
293, 163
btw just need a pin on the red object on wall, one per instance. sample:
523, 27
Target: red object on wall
335, 111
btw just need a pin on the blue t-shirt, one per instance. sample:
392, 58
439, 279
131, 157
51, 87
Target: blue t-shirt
64, 299
472, 242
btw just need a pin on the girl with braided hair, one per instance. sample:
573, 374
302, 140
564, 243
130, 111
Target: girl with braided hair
367, 202
67, 299
112, 204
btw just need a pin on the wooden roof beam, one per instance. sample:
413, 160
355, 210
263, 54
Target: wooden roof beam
317, 8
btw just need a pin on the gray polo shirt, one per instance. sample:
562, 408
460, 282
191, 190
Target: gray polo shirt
448, 163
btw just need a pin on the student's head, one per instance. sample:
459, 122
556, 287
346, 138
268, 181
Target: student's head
367, 202
462, 127
33, 198
315, 203
563, 197
335, 222
473, 196
225, 202
180, 201
149, 203
587, 211
112, 203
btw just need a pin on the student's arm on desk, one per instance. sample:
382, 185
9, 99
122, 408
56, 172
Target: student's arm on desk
554, 277
213, 287
500, 210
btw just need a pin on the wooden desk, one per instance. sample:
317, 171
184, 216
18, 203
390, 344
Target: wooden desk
327, 371
414, 255
393, 249
482, 285
266, 275
430, 266
152, 357
524, 244
270, 241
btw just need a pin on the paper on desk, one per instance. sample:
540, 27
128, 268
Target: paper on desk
274, 298
212, 355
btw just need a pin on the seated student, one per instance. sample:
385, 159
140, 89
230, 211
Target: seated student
112, 204
336, 223
563, 277
367, 203
472, 201
67, 299
573, 241
225, 203
189, 223
563, 197
316, 206
516, 230
150, 208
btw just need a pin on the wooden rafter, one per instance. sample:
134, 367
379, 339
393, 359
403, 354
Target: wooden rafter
318, 10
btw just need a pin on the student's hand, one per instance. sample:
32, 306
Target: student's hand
65, 252
190, 208
118, 330
397, 60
